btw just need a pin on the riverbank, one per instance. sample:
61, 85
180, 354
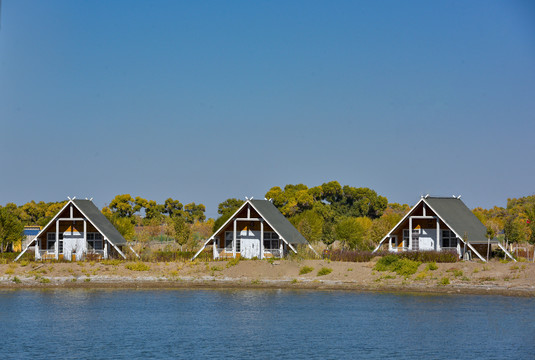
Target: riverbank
511, 279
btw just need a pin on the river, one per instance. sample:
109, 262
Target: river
262, 324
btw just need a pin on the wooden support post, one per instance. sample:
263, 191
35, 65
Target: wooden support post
56, 246
281, 255
234, 241
214, 249
410, 233
437, 245
85, 241
261, 239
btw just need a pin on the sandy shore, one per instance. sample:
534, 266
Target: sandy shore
511, 279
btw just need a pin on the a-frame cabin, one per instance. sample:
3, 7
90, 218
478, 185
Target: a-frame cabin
440, 224
256, 230
77, 230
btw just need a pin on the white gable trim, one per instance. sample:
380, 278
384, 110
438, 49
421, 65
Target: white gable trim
43, 230
55, 219
218, 230
211, 238
399, 223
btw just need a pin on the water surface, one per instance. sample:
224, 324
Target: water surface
264, 324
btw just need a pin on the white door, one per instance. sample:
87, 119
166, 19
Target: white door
250, 244
73, 243
428, 238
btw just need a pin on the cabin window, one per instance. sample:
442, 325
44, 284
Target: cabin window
228, 241
51, 241
415, 234
95, 241
449, 240
271, 240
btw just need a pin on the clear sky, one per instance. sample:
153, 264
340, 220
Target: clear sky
205, 100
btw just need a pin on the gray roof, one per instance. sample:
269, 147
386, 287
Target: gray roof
278, 222
100, 221
460, 218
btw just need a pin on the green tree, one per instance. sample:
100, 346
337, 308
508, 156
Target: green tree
328, 233
173, 208
194, 212
352, 232
32, 212
182, 231
123, 205
153, 210
10, 229
515, 230
226, 209
310, 225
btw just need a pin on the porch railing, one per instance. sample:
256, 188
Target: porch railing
225, 253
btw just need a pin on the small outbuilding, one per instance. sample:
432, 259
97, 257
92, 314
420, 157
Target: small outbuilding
256, 229
440, 224
78, 230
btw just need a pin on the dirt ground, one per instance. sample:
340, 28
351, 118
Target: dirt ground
514, 279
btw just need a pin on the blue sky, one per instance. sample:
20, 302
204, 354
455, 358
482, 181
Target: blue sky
202, 101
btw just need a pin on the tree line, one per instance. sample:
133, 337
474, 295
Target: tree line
513, 224
357, 217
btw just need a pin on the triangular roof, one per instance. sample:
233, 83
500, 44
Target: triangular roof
278, 222
459, 218
101, 222
456, 215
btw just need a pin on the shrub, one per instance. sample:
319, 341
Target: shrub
385, 263
44, 280
444, 281
137, 266
16, 280
324, 271
424, 256
406, 267
431, 266
233, 262
400, 266
422, 275
305, 270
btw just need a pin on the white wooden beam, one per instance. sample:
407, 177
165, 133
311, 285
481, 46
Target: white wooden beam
134, 251
437, 245
56, 250
234, 240
506, 252
261, 240
474, 250
410, 233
